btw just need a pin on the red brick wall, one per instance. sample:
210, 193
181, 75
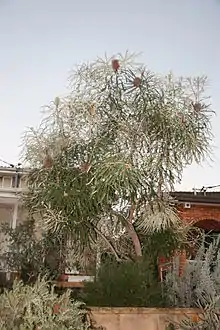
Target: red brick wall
199, 212
205, 216
165, 263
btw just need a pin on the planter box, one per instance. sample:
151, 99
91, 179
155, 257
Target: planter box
69, 285
139, 318
80, 278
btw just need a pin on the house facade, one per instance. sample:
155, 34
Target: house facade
12, 183
201, 209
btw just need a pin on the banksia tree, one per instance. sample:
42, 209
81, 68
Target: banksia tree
119, 141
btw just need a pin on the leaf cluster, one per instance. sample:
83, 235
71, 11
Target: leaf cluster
38, 307
28, 254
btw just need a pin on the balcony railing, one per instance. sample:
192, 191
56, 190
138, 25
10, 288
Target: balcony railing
10, 184
12, 189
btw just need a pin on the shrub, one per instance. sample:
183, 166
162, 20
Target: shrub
132, 284
164, 242
199, 281
207, 319
27, 254
38, 307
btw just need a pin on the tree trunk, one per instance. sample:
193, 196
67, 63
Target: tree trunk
132, 233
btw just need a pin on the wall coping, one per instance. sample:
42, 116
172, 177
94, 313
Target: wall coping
142, 310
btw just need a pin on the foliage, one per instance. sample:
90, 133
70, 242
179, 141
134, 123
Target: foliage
206, 318
27, 254
116, 144
199, 282
165, 242
122, 283
125, 284
38, 307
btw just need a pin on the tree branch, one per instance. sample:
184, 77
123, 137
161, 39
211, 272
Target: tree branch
132, 232
110, 245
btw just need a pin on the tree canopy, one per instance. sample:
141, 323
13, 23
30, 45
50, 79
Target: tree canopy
105, 156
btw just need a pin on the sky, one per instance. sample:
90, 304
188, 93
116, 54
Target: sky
41, 41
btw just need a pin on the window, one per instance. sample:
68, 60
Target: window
16, 180
6, 182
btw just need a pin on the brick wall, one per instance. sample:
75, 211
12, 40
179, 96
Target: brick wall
206, 217
198, 213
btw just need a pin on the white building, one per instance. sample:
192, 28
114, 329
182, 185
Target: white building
12, 183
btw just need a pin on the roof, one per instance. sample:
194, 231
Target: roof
13, 169
198, 197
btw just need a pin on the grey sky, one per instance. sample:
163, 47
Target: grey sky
41, 40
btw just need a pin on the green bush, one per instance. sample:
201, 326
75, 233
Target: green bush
28, 255
162, 244
35, 307
133, 284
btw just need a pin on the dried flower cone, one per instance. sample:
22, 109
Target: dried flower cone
57, 102
48, 161
85, 167
137, 81
182, 119
56, 308
92, 109
197, 107
115, 65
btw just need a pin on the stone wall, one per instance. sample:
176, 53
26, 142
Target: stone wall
138, 318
